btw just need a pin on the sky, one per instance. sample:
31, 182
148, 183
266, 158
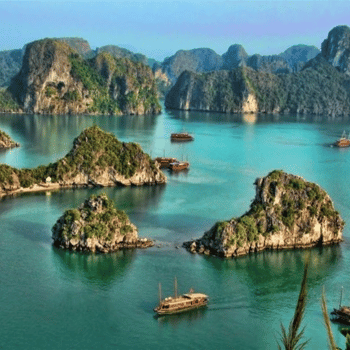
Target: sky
159, 28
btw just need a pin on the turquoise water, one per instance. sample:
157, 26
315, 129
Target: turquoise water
52, 299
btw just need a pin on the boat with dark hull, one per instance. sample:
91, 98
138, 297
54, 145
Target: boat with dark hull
342, 314
181, 137
182, 303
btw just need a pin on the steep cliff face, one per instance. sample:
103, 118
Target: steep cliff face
318, 89
45, 84
96, 159
287, 212
162, 80
6, 141
55, 79
96, 226
336, 48
221, 91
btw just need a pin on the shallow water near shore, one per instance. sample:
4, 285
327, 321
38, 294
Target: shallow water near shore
62, 300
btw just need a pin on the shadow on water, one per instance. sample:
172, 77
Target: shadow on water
95, 269
188, 317
47, 138
124, 196
251, 118
39, 128
34, 232
280, 271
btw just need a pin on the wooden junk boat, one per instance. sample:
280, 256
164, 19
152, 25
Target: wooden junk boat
178, 166
182, 303
344, 141
182, 136
164, 162
342, 314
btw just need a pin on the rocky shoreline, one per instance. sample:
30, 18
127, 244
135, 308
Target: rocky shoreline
197, 247
97, 226
43, 187
6, 141
287, 213
97, 159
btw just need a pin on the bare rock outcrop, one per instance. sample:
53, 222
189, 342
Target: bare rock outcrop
97, 226
336, 48
6, 141
287, 213
220, 91
56, 79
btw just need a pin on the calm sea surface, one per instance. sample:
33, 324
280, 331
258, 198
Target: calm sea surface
52, 299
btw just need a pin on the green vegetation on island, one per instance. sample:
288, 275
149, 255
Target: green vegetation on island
6, 141
7, 102
287, 212
317, 89
105, 74
96, 226
56, 79
97, 158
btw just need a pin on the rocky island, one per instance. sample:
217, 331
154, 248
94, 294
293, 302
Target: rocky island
97, 226
96, 159
287, 213
6, 141
56, 79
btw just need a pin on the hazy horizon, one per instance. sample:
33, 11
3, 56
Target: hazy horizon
159, 29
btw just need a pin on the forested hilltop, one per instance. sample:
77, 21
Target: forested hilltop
96, 159
97, 226
286, 213
321, 87
57, 79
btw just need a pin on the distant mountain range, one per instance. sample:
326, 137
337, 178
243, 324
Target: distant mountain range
312, 85
11, 61
196, 60
114, 80
206, 60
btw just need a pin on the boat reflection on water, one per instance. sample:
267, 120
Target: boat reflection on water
94, 269
181, 318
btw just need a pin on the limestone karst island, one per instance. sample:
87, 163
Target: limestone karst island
65, 76
97, 226
56, 79
287, 212
96, 159
176, 181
